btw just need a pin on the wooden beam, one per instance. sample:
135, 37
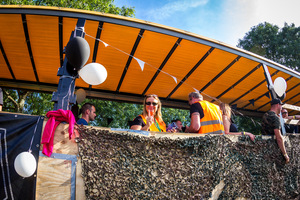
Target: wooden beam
291, 107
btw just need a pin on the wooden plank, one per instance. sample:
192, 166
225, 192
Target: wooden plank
53, 179
46, 166
80, 193
291, 107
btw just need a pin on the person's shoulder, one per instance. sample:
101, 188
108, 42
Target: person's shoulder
271, 117
82, 121
138, 121
270, 113
138, 117
196, 105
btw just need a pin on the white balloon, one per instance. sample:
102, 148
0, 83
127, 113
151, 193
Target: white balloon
280, 86
80, 95
93, 73
25, 164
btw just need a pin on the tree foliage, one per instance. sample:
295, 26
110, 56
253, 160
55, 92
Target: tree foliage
21, 101
281, 45
106, 6
14, 100
248, 124
38, 103
170, 114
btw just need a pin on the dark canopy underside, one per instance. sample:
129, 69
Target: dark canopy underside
176, 62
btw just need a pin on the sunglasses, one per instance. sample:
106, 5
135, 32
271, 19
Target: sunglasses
284, 113
153, 103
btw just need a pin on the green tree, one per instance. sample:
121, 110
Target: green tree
119, 113
281, 45
248, 124
21, 101
14, 100
170, 114
38, 103
106, 6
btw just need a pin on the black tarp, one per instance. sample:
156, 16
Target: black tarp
18, 133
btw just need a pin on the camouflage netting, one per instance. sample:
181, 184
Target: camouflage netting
121, 165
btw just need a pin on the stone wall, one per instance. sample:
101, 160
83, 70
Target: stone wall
132, 166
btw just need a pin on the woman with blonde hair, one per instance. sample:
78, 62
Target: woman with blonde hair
151, 118
228, 126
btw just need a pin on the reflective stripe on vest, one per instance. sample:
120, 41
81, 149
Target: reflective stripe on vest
216, 132
212, 122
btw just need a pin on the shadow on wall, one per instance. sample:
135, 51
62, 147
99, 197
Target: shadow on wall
120, 164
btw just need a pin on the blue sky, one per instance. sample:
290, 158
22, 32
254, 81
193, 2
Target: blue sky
223, 20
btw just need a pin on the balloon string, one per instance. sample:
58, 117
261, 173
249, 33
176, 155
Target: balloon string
34, 134
131, 56
175, 78
69, 90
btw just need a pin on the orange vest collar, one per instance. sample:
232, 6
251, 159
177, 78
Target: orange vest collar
153, 127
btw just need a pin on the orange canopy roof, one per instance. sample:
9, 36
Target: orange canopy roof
176, 62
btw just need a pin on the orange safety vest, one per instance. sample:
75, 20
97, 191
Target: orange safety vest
212, 122
156, 123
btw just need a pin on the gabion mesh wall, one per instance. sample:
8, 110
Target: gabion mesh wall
125, 166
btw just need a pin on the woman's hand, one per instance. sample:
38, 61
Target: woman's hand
150, 120
287, 159
252, 137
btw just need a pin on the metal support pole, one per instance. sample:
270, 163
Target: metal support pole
269, 81
64, 97
273, 94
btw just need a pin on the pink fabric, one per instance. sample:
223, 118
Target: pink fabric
55, 118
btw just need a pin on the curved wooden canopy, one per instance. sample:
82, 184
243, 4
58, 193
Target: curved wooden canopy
176, 62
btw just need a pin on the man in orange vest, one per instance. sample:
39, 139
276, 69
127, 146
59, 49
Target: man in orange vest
206, 117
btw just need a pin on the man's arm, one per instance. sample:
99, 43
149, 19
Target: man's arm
195, 123
280, 143
293, 117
